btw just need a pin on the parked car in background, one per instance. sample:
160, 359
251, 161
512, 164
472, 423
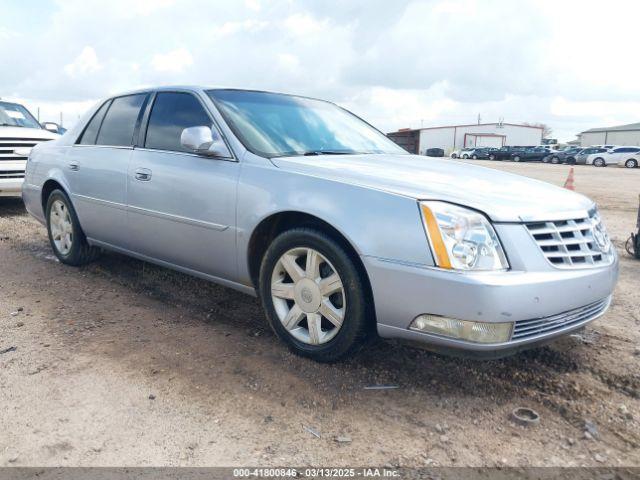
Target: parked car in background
630, 161
504, 153
323, 217
529, 154
434, 152
19, 132
482, 153
460, 152
563, 156
612, 157
581, 157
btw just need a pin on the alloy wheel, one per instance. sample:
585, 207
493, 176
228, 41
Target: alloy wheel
61, 227
308, 296
631, 163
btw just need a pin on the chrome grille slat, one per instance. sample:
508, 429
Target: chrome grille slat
537, 326
8, 145
571, 243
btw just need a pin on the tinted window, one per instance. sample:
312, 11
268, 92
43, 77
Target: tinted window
171, 114
120, 121
91, 132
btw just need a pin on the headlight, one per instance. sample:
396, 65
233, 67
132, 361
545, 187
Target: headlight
462, 239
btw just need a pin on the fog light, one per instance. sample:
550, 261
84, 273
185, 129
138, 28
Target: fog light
478, 332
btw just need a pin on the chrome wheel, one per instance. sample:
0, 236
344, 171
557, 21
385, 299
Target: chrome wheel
308, 296
61, 227
631, 163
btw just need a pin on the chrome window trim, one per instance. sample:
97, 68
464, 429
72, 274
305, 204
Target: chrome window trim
199, 155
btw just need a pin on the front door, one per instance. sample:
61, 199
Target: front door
181, 205
96, 169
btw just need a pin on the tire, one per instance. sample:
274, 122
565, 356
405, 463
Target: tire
475, 157
66, 237
465, 156
545, 160
555, 160
453, 155
631, 163
516, 158
599, 162
288, 302
492, 157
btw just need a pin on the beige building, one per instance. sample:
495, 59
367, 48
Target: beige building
620, 135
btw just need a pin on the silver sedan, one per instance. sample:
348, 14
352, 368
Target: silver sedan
339, 231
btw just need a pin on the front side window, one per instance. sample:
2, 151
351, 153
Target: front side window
91, 132
120, 121
171, 113
15, 115
276, 125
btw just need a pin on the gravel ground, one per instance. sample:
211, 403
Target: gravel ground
124, 363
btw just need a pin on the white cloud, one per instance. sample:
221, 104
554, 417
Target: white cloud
84, 64
568, 64
174, 61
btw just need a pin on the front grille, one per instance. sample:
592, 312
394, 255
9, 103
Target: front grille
578, 243
11, 174
8, 145
537, 326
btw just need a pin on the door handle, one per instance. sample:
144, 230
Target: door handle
143, 174
74, 166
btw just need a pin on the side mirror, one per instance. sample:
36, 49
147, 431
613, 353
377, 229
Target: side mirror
205, 141
50, 126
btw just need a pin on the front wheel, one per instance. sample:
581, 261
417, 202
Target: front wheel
475, 157
492, 157
631, 163
465, 156
555, 160
313, 295
599, 162
65, 235
516, 158
453, 155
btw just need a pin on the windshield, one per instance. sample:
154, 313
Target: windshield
276, 125
14, 115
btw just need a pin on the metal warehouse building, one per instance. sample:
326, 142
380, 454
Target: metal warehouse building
620, 135
458, 136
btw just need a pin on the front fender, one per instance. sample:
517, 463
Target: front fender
375, 223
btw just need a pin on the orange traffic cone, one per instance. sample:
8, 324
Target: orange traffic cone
568, 184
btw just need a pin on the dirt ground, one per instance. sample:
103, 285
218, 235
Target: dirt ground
123, 363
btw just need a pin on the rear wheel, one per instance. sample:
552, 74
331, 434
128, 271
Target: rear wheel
599, 162
555, 160
516, 158
631, 163
313, 295
65, 235
475, 157
453, 155
492, 157
465, 156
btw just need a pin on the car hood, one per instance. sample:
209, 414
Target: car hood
31, 133
504, 197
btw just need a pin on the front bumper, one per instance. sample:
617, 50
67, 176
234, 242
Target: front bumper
402, 292
10, 187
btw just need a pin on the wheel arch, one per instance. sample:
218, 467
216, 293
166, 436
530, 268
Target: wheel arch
47, 187
276, 223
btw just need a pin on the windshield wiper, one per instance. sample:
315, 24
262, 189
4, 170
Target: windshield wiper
11, 125
324, 152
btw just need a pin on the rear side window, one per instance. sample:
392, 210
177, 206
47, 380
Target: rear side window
120, 122
91, 132
171, 113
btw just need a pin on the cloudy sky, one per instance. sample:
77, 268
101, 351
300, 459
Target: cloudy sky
398, 63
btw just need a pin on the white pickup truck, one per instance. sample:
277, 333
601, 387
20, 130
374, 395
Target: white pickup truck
19, 132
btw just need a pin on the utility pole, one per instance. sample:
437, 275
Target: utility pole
479, 119
61, 119
38, 114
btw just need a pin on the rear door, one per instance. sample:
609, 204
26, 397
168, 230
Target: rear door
97, 169
182, 205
